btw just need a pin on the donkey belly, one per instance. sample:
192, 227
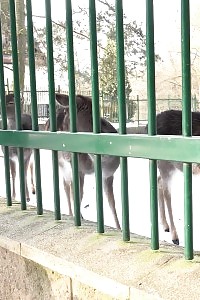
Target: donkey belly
109, 164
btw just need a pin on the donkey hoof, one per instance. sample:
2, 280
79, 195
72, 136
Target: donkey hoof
176, 242
33, 191
166, 229
27, 199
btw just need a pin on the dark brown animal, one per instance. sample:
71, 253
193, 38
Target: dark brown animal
170, 123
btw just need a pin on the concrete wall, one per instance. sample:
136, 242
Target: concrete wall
45, 259
21, 278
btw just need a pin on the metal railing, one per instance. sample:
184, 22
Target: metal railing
136, 107
149, 146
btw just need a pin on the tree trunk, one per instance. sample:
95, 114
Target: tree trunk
21, 38
21, 34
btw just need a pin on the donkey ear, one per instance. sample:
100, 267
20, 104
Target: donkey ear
62, 99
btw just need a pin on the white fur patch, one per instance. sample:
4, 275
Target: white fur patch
66, 169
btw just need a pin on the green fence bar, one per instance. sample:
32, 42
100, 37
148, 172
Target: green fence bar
52, 106
122, 116
96, 112
186, 125
72, 109
188, 215
152, 120
128, 145
17, 99
35, 127
4, 125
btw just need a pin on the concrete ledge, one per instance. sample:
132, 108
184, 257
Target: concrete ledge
89, 265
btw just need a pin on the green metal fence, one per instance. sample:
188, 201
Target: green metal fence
136, 108
149, 146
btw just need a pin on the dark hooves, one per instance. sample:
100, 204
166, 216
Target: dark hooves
27, 199
33, 192
167, 230
176, 242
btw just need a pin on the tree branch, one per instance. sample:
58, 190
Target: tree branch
105, 2
64, 27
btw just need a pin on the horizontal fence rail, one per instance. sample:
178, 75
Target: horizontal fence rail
98, 142
129, 145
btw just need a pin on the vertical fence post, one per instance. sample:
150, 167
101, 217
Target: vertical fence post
186, 124
122, 116
72, 109
96, 112
152, 120
35, 127
138, 110
169, 102
17, 99
195, 103
4, 124
101, 104
52, 107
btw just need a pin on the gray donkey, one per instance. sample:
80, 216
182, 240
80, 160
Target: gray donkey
86, 161
64, 160
13, 155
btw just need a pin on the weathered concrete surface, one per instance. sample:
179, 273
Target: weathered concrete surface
89, 265
23, 279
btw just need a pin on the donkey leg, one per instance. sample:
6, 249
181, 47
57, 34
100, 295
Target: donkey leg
32, 181
167, 196
81, 185
69, 192
67, 189
26, 163
161, 201
13, 173
108, 188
